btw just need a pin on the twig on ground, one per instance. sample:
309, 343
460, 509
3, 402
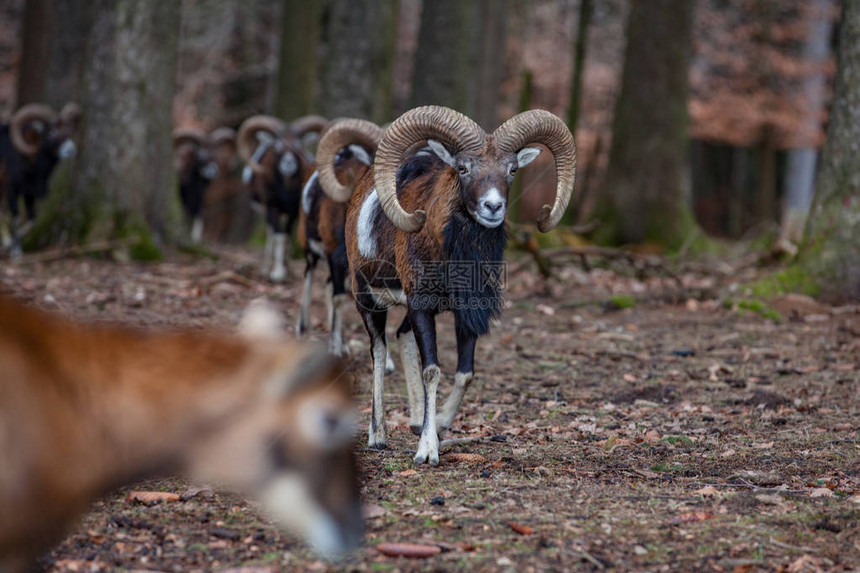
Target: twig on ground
77, 251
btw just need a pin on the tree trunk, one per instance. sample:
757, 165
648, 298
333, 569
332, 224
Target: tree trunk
300, 24
357, 73
35, 44
830, 255
70, 26
446, 56
586, 7
123, 182
800, 170
648, 174
491, 62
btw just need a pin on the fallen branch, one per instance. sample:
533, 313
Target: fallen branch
76, 251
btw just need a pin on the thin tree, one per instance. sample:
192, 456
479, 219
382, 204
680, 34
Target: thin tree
357, 76
586, 8
647, 194
829, 262
300, 31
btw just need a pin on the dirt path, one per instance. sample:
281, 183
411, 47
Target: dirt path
661, 437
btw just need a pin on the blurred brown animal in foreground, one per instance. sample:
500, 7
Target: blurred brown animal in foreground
85, 409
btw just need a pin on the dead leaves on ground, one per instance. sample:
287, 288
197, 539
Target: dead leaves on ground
521, 529
151, 497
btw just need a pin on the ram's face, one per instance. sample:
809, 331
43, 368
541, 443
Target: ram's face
485, 179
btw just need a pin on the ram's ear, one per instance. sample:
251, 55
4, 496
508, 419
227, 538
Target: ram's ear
361, 154
441, 152
526, 155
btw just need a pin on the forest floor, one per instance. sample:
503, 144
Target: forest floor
695, 430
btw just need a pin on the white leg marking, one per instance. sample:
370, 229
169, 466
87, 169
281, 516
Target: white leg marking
366, 217
336, 345
304, 322
462, 381
197, 230
428, 444
329, 303
279, 270
414, 385
389, 363
267, 251
376, 435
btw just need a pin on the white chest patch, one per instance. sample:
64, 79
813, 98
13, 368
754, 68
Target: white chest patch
306, 192
366, 217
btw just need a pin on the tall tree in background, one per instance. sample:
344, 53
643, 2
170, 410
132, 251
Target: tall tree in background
800, 169
356, 76
36, 41
300, 27
830, 255
586, 8
647, 179
123, 183
460, 57
447, 54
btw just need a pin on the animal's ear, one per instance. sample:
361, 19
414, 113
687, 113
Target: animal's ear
261, 320
526, 155
440, 150
361, 154
304, 365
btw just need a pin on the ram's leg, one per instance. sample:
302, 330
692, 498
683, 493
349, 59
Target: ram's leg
424, 326
462, 381
268, 250
197, 230
304, 322
15, 249
15, 252
374, 322
329, 302
412, 372
279, 268
339, 298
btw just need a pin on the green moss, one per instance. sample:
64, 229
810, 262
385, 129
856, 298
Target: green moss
622, 301
145, 250
753, 305
793, 279
678, 440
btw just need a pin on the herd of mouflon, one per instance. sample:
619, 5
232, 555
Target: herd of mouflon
410, 214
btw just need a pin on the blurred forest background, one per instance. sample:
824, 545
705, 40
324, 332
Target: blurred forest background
728, 99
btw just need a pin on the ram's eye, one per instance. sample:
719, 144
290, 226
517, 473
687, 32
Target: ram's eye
513, 169
463, 170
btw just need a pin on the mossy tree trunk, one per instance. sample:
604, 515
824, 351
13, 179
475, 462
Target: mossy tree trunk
357, 78
830, 254
647, 183
446, 55
123, 183
300, 30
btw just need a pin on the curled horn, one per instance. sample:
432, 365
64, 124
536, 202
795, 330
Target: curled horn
223, 135
28, 113
308, 124
247, 142
419, 124
340, 134
189, 135
540, 126
71, 114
